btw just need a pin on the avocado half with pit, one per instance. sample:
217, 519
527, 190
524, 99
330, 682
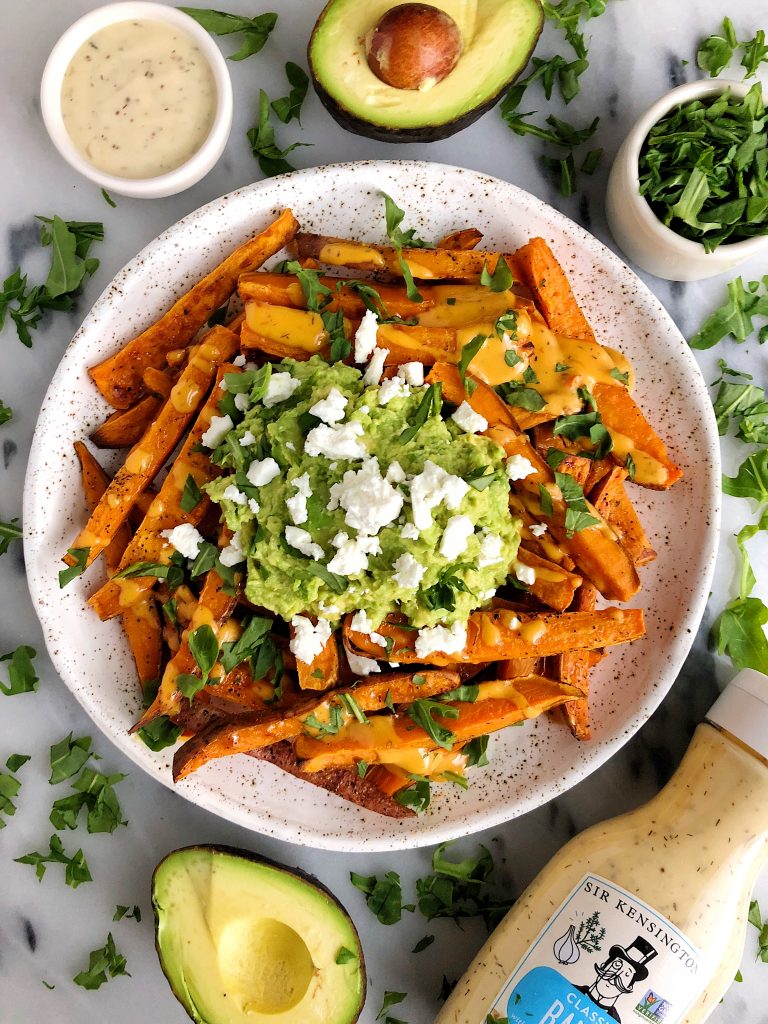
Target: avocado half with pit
450, 61
243, 940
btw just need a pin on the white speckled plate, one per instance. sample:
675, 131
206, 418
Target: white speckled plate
529, 765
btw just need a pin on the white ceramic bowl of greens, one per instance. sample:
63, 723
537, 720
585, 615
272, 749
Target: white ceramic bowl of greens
640, 234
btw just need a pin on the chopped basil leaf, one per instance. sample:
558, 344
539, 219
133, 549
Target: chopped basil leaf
390, 999
393, 217
21, 672
591, 160
468, 353
735, 317
332, 726
577, 514
545, 500
67, 757
416, 797
289, 107
9, 532
191, 496
76, 867
423, 944
80, 556
261, 138
430, 405
384, 896
561, 367
160, 733
458, 889
102, 962
255, 31
481, 478
16, 761
168, 571
345, 956
507, 324
122, 912
521, 397
501, 279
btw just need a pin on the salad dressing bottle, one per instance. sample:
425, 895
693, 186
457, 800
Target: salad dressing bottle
642, 917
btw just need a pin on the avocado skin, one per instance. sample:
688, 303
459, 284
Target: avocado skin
233, 851
426, 133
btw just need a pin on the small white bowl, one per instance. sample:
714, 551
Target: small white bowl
181, 177
636, 228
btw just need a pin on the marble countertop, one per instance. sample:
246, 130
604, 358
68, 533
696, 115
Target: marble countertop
638, 51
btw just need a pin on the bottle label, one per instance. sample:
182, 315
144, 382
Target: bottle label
605, 956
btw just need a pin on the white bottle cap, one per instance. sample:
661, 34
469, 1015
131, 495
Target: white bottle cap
742, 709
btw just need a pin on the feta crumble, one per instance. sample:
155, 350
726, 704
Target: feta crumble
538, 529
490, 550
242, 401
280, 387
375, 367
248, 438
394, 387
408, 572
525, 573
360, 623
217, 431
432, 486
185, 539
518, 467
254, 506
331, 408
297, 503
262, 471
370, 502
308, 639
439, 638
365, 337
233, 494
239, 360
361, 666
456, 536
412, 373
234, 552
409, 532
395, 473
337, 442
351, 557
302, 541
469, 420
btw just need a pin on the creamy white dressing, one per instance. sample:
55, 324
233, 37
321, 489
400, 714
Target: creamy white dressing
138, 98
692, 854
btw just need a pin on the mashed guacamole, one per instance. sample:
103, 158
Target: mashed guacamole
335, 511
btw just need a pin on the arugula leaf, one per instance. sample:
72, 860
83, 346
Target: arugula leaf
256, 630
95, 792
76, 867
289, 107
108, 199
501, 279
393, 216
332, 726
416, 797
545, 501
107, 960
352, 708
715, 53
755, 53
390, 999
384, 896
345, 956
430, 405
735, 317
255, 31
21, 672
6, 413
739, 633
442, 593
481, 478
577, 514
458, 889
9, 532
751, 481
466, 692
468, 353
169, 571
9, 788
743, 404
585, 424
423, 710
518, 395
16, 761
67, 757
565, 169
261, 138
191, 496
590, 162
160, 733
313, 288
476, 751
423, 944
122, 912
80, 556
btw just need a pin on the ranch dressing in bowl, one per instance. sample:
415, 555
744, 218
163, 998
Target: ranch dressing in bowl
138, 98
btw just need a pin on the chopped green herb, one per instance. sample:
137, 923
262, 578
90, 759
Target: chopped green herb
468, 692
16, 761
545, 501
516, 394
390, 999
332, 726
102, 962
256, 630
565, 169
67, 757
122, 912
755, 53
384, 896
76, 867
591, 160
481, 478
507, 324
629, 465
476, 751
255, 31
160, 733
715, 53
289, 107
430, 405
423, 710
751, 481
169, 571
394, 217
501, 279
735, 317
9, 788
468, 353
261, 138
191, 496
8, 533
6, 413
622, 378
585, 424
561, 367
108, 198
21, 672
352, 708
345, 956
423, 944
738, 632
95, 793
416, 797
80, 556
458, 889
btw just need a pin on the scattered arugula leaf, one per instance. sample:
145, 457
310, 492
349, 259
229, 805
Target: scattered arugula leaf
738, 631
76, 867
422, 711
384, 896
261, 138
289, 107
332, 726
390, 999
6, 413
735, 317
122, 912
191, 495
352, 708
577, 514
16, 761
715, 53
586, 424
160, 733
430, 405
9, 788
468, 353
345, 956
442, 593
8, 533
204, 648
459, 889
80, 556
515, 393
755, 918
393, 216
417, 796
423, 944
501, 279
67, 757
256, 630
476, 752
255, 31
755, 53
21, 672
751, 481
742, 404
107, 960
467, 692
95, 792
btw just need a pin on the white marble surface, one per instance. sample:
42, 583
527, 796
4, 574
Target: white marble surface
47, 929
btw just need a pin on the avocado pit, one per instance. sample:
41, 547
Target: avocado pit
413, 46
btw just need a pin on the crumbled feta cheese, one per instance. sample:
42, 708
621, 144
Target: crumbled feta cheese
469, 420
217, 431
329, 610
262, 471
254, 506
409, 532
331, 408
280, 387
231, 493
525, 573
365, 409
490, 550
395, 473
456, 536
351, 557
408, 572
302, 541
223, 384
486, 595
412, 373
336, 442
375, 367
234, 552
308, 639
297, 503
361, 666
538, 529
185, 538
432, 486
248, 438
290, 446
438, 638
360, 623
395, 387
365, 337
239, 360
518, 467
368, 499
242, 402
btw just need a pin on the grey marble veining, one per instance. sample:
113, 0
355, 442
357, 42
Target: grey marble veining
46, 930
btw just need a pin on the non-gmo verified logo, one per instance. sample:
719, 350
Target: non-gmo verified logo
653, 1006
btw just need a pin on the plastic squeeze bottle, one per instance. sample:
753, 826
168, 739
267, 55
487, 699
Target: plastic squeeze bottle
642, 917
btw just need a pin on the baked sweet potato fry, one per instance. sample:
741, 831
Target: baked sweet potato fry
540, 271
496, 634
483, 399
124, 427
95, 482
574, 667
263, 729
120, 378
286, 290
324, 671
633, 435
507, 703
149, 454
610, 499
553, 586
464, 239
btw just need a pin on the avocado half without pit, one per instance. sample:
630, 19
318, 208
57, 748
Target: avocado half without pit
243, 940
419, 72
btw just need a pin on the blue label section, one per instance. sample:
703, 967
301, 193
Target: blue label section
543, 996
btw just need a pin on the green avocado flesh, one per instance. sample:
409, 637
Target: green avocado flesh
287, 582
245, 941
498, 37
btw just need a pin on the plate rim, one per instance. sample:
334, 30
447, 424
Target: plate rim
303, 835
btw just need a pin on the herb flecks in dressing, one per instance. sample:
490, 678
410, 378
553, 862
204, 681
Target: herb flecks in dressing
138, 99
